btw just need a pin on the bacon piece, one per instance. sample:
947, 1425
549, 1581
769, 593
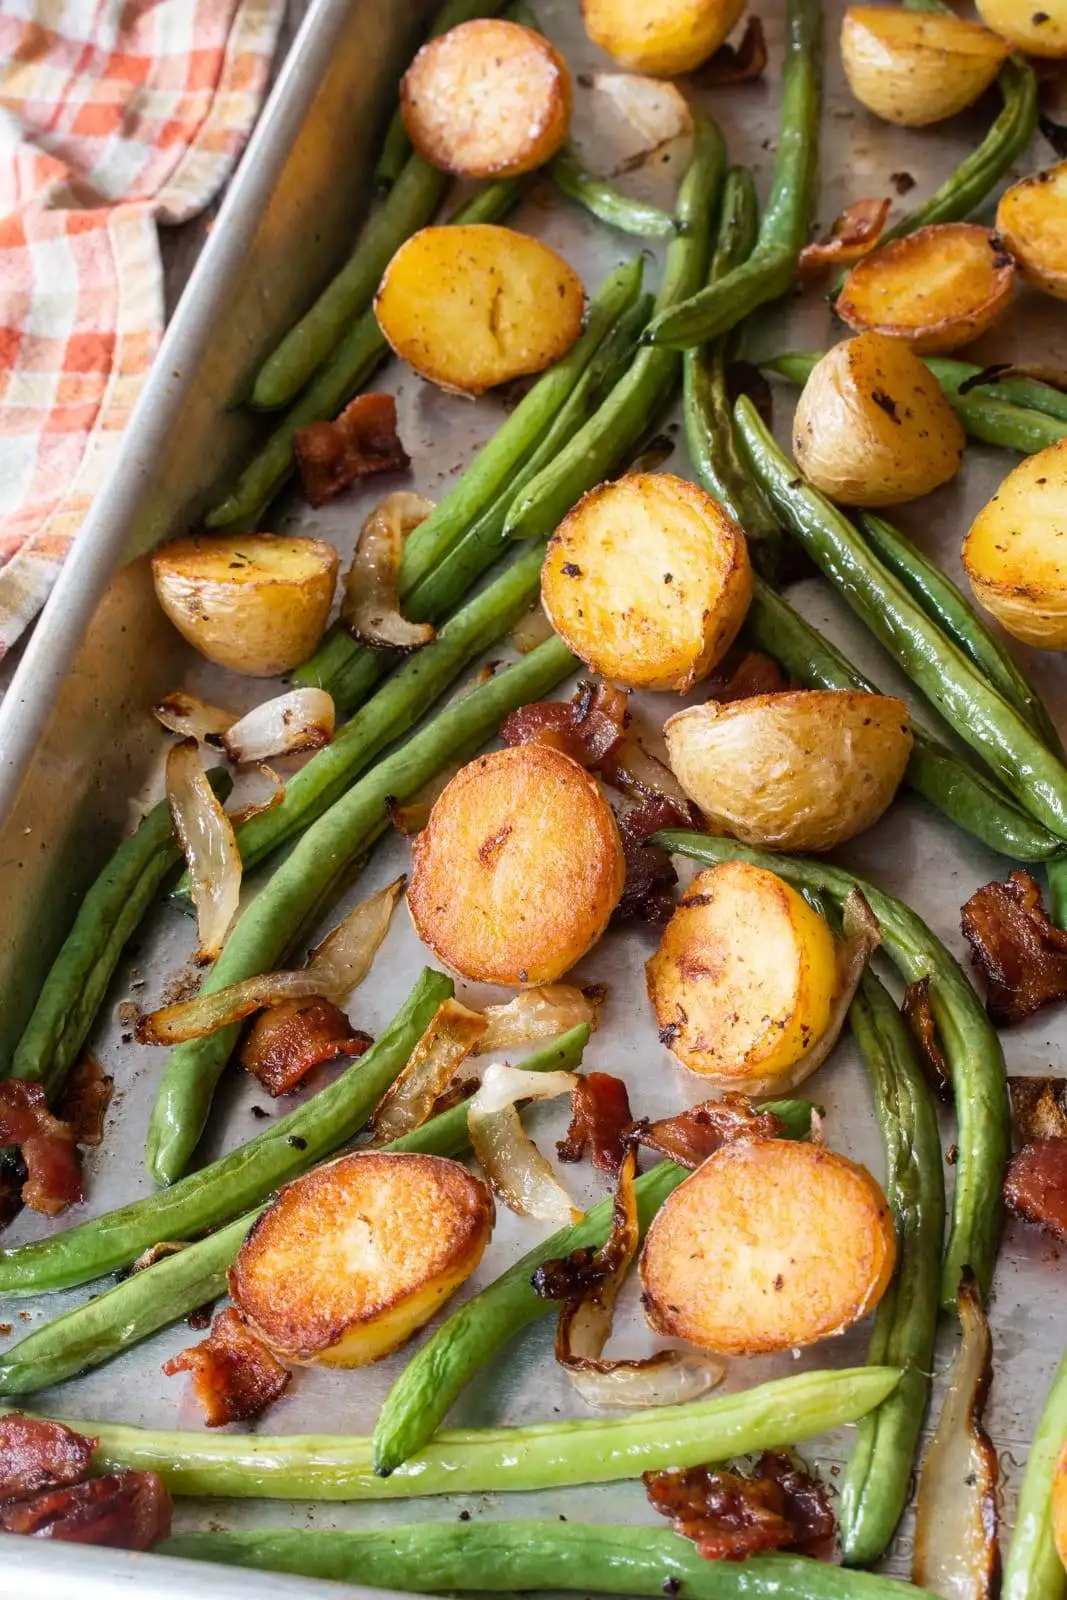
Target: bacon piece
650, 874
363, 439
1018, 949
1035, 1186
86, 1099
753, 674
600, 1115
736, 65
1038, 1108
692, 1136
920, 1018
235, 1376
729, 1517
586, 728
36, 1455
122, 1510
54, 1179
12, 1178
854, 234
286, 1042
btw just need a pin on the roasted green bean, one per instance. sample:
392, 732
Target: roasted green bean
1033, 1570
1028, 393
603, 201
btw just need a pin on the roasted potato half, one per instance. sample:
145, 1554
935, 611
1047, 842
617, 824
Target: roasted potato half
803, 770
744, 978
664, 39
937, 288
350, 1260
648, 580
1032, 221
489, 99
518, 869
472, 306
254, 602
1015, 553
872, 425
1035, 30
913, 67
1059, 1506
768, 1246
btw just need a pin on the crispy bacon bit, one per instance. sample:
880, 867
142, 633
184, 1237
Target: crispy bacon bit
650, 874
235, 1376
731, 65
1019, 950
586, 728
600, 1115
694, 1135
1035, 1186
1039, 1108
854, 234
122, 1510
729, 1517
36, 1455
363, 439
285, 1043
753, 674
86, 1099
920, 1018
54, 1179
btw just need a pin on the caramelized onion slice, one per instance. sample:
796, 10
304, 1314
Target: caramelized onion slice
205, 834
919, 1016
515, 1168
656, 113
541, 1013
855, 231
370, 608
343, 959
301, 719
532, 629
193, 718
450, 1038
634, 771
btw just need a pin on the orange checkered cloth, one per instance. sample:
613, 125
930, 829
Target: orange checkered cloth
115, 115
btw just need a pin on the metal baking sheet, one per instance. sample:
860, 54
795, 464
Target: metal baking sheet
99, 760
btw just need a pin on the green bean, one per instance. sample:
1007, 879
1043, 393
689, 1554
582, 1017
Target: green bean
592, 1558
146, 1301
877, 1480
972, 1048
1033, 1570
1025, 392
315, 873
770, 270
603, 201
624, 417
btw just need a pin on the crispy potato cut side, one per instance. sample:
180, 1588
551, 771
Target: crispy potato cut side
872, 425
256, 603
914, 68
648, 580
803, 770
770, 1245
488, 99
745, 976
1059, 1506
1039, 30
1015, 553
519, 868
350, 1260
937, 288
1032, 221
665, 39
472, 306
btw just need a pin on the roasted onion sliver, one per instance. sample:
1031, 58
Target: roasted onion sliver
514, 1166
635, 772
540, 1013
451, 1036
532, 629
343, 959
657, 112
302, 719
206, 837
193, 718
370, 609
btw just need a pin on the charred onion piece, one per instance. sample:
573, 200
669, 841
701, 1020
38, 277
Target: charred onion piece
586, 727
193, 718
122, 1511
53, 1169
920, 1018
657, 112
738, 64
728, 1516
370, 608
542, 1012
36, 1455
635, 772
363, 439
86, 1098
515, 1168
289, 1041
205, 834
1035, 1185
453, 1033
301, 719
1018, 949
1038, 1108
235, 1376
692, 1136
855, 231
532, 629
600, 1117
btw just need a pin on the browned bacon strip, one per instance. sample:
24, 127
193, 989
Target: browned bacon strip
854, 233
286, 1042
54, 1179
585, 728
1021, 953
728, 1516
36, 1455
692, 1136
235, 1376
1035, 1186
600, 1116
650, 874
122, 1510
86, 1099
363, 439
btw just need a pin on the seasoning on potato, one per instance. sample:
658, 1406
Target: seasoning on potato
664, 39
1015, 553
770, 1245
519, 868
1037, 30
1032, 221
254, 602
872, 425
475, 305
914, 68
488, 99
802, 770
352, 1259
937, 288
648, 581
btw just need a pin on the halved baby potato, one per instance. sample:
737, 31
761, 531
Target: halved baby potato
254, 602
648, 581
475, 305
770, 1245
488, 99
1032, 221
1015, 553
872, 425
664, 39
803, 770
744, 979
1059, 1506
1036, 30
914, 68
350, 1260
937, 288
519, 868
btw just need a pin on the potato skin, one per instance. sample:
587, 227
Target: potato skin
519, 868
872, 425
256, 603
1032, 221
1015, 553
475, 305
914, 69
803, 770
1059, 1506
488, 99
1036, 30
937, 288
648, 581
665, 39
770, 1245
354, 1257
744, 978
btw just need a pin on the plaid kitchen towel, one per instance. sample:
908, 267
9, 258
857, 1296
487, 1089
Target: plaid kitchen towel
115, 115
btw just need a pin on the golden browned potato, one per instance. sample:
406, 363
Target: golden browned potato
662, 38
254, 602
937, 288
350, 1260
1015, 553
1039, 30
872, 425
647, 579
744, 978
472, 306
913, 67
518, 869
1059, 1506
797, 771
489, 99
768, 1246
1032, 221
